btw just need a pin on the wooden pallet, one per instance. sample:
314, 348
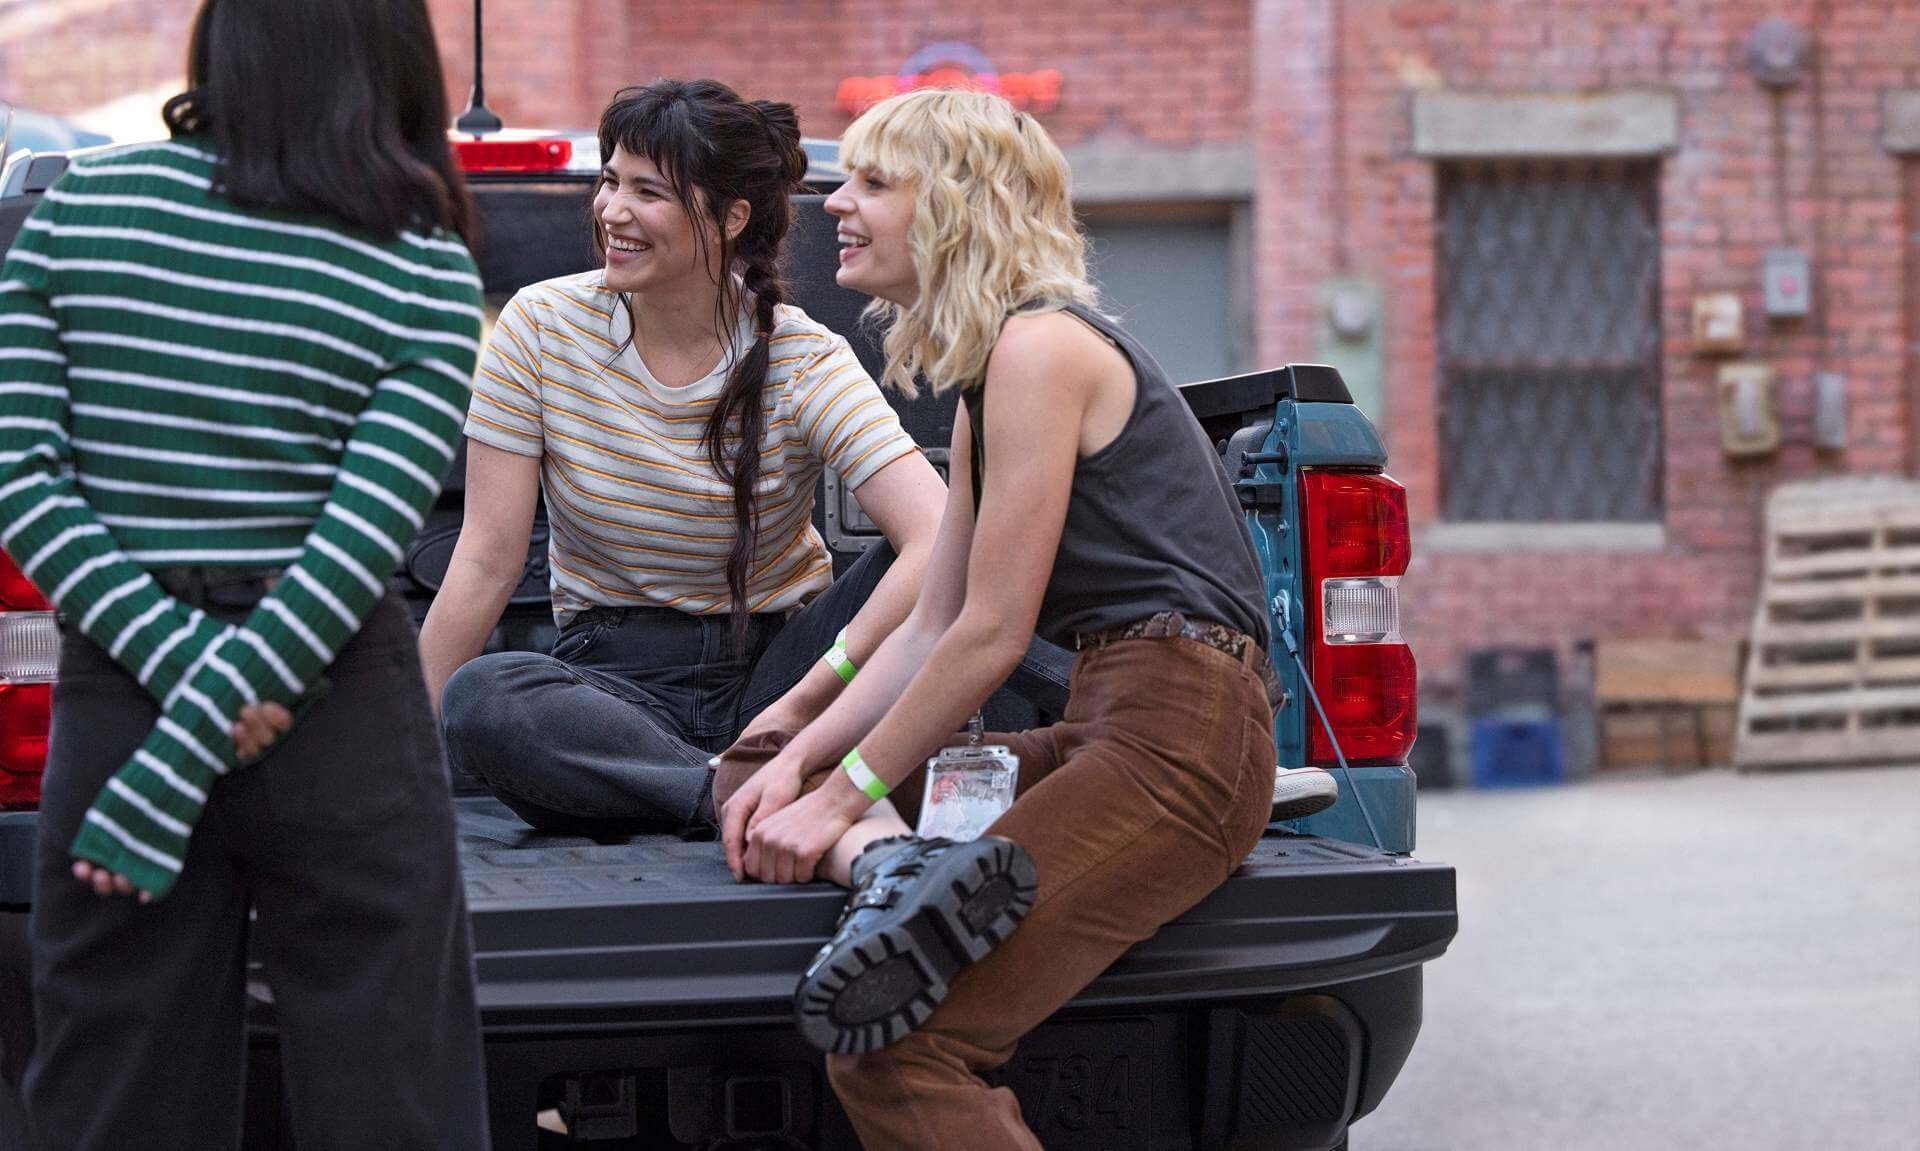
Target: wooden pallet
1666, 703
1833, 670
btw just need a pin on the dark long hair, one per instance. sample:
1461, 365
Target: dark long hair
715, 148
328, 106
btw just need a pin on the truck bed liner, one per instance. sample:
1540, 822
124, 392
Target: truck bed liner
573, 935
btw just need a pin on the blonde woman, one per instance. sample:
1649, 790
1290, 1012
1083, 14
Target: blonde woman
1095, 512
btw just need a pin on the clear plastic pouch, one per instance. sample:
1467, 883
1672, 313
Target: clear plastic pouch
967, 788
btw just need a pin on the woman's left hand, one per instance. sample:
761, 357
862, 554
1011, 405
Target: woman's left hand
787, 846
106, 882
257, 729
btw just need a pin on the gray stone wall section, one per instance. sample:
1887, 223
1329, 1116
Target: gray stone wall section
1900, 120
1469, 125
1507, 538
1122, 172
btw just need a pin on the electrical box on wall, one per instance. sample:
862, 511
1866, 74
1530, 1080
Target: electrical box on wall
1718, 323
1348, 337
1748, 426
1830, 412
1788, 282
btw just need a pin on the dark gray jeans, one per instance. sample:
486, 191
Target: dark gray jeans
610, 734
340, 842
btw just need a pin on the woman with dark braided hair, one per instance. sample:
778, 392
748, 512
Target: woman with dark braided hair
676, 414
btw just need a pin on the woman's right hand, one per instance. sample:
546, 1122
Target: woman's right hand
258, 727
786, 715
768, 790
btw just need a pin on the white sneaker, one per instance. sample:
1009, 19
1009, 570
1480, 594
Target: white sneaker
1302, 791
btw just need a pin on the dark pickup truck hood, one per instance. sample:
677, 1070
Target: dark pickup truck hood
654, 932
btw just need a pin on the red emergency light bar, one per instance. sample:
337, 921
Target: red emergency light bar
484, 156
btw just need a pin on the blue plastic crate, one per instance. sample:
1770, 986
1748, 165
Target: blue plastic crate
1515, 752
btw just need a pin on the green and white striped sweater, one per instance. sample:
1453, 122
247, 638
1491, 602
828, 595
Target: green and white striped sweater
186, 382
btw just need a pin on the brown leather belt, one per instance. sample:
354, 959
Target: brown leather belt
1164, 625
1173, 624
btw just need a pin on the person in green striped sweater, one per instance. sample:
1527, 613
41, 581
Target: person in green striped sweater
233, 367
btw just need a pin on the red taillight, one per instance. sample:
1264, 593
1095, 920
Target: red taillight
1358, 544
482, 156
29, 647
17, 593
26, 714
1359, 525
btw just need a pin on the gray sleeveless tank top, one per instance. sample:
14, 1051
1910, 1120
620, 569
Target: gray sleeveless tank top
1152, 524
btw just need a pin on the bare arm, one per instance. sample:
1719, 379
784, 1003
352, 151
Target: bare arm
1038, 393
1040, 386
882, 677
903, 499
487, 564
889, 658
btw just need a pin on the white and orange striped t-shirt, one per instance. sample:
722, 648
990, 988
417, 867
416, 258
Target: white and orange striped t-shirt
638, 515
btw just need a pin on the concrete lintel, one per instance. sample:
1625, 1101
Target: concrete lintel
1900, 120
1473, 125
1505, 537
1121, 171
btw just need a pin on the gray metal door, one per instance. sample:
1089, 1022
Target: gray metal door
1170, 283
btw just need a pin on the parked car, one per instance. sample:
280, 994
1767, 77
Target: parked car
39, 132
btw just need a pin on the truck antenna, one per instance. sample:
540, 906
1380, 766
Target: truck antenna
478, 120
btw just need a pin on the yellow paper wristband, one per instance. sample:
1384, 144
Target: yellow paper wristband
863, 777
837, 659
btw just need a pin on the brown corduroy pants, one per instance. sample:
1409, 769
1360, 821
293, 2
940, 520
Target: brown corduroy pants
1141, 801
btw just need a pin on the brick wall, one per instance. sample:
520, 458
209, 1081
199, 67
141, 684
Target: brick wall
1320, 91
1717, 218
1169, 75
77, 54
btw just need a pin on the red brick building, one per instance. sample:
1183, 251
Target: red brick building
1497, 216
64, 56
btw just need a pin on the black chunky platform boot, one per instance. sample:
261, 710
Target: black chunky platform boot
921, 910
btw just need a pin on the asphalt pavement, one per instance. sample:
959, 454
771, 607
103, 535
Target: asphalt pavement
1717, 961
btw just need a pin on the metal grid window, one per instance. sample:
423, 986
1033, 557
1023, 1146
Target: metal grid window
1549, 331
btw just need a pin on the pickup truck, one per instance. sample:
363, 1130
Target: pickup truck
632, 995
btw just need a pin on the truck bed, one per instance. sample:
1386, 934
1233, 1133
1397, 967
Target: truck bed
654, 932
640, 990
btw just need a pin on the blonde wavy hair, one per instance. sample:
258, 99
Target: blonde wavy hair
993, 231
